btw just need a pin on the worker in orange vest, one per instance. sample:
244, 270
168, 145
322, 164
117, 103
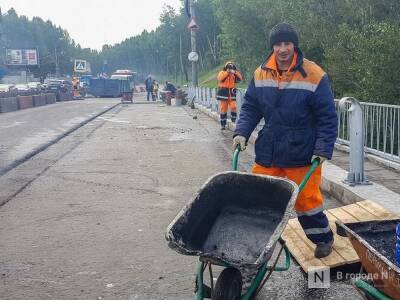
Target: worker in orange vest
227, 79
75, 86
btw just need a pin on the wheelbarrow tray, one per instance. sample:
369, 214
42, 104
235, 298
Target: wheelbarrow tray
235, 219
375, 242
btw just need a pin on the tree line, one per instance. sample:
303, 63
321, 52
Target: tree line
356, 42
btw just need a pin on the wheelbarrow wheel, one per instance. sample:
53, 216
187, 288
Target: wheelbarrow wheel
229, 285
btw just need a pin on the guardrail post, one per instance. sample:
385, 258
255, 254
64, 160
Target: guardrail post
205, 97
209, 98
356, 176
239, 100
214, 104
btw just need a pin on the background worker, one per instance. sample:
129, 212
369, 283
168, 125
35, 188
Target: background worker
170, 87
227, 79
76, 87
294, 97
149, 87
155, 89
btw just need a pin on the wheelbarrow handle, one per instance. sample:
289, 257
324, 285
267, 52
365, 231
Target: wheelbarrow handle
314, 165
235, 158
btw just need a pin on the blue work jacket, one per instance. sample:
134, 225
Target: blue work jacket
299, 113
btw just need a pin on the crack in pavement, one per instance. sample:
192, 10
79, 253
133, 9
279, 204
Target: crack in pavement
52, 162
43, 147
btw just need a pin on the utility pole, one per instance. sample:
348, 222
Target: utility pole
56, 58
193, 44
2, 42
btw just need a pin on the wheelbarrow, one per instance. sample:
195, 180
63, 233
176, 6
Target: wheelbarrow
374, 242
127, 97
235, 221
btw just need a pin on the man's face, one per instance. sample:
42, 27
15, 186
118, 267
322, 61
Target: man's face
284, 52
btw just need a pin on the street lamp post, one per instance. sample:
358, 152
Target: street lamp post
56, 60
193, 44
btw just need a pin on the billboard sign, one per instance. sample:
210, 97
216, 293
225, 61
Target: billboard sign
80, 66
22, 57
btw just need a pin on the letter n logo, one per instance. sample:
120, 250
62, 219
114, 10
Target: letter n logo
319, 277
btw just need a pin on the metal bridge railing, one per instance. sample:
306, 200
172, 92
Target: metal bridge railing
381, 129
381, 123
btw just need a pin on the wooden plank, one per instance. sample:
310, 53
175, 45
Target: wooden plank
342, 244
302, 253
342, 215
359, 212
332, 260
377, 210
343, 252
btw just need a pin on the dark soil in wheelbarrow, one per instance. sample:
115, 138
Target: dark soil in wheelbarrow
382, 241
241, 234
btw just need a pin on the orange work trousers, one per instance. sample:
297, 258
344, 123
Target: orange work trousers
310, 197
224, 104
223, 110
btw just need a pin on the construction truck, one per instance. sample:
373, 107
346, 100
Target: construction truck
121, 82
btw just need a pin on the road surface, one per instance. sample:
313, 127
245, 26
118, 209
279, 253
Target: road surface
86, 217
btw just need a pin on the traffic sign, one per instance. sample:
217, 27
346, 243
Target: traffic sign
193, 56
193, 25
80, 66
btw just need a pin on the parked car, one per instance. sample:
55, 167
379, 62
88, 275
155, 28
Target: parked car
35, 86
59, 86
5, 88
22, 89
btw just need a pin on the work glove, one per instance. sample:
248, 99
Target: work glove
321, 158
239, 140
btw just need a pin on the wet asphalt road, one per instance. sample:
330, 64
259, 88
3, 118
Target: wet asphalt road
24, 131
89, 219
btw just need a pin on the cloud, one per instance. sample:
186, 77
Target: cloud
92, 23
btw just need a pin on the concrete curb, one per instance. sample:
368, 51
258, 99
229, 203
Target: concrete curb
52, 142
332, 180
332, 183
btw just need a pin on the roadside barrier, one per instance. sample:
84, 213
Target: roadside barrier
25, 102
8, 104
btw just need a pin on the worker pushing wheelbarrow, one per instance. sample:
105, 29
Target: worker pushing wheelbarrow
237, 218
238, 229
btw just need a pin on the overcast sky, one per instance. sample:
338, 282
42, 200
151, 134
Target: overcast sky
93, 23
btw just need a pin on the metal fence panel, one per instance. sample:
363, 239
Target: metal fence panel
381, 123
381, 129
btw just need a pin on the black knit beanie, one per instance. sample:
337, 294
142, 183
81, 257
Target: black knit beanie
283, 32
